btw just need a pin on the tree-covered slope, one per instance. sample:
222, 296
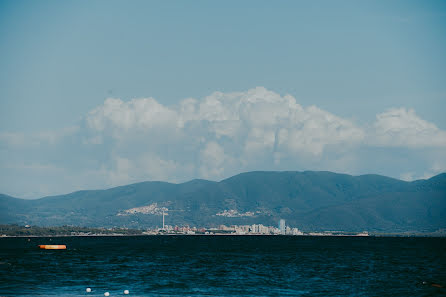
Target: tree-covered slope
308, 200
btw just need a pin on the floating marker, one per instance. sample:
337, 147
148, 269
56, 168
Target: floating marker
88, 290
106, 294
126, 292
53, 246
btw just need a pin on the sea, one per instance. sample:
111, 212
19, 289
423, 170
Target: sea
224, 266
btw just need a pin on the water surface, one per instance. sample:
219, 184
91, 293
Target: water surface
224, 266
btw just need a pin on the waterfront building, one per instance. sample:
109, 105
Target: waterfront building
296, 231
282, 226
263, 229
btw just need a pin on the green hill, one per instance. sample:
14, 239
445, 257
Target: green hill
307, 200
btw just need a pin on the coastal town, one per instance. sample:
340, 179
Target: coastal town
254, 229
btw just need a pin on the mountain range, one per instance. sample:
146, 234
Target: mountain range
309, 200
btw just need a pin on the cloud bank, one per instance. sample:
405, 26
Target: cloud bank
223, 134
403, 128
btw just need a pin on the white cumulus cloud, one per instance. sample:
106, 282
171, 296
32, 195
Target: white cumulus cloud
402, 127
214, 137
212, 160
118, 117
222, 133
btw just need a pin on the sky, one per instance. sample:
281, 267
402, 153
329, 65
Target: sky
97, 94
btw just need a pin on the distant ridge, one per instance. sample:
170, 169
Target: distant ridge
309, 200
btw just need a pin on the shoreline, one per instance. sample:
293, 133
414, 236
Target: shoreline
382, 235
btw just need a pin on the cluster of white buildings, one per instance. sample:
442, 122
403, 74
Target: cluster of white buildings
255, 229
259, 229
183, 230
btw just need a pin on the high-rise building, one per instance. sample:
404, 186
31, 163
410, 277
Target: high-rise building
282, 226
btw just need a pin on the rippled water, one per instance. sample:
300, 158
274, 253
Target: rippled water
224, 266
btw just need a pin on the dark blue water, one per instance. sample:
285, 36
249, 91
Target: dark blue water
224, 266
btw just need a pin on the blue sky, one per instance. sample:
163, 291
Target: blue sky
348, 86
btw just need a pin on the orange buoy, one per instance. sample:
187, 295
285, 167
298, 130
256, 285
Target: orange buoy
53, 246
